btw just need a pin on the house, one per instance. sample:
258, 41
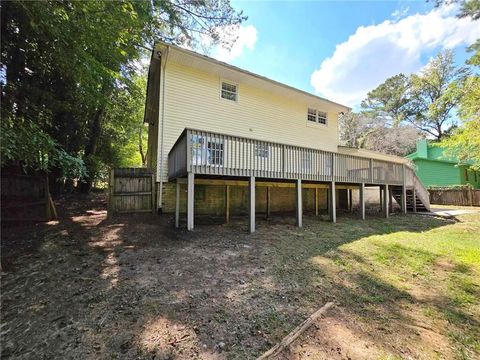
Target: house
434, 168
225, 141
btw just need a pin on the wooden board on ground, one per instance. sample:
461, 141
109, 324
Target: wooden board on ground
292, 336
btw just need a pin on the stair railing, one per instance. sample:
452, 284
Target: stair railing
421, 192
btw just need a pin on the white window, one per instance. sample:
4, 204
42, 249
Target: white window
229, 91
322, 117
261, 150
207, 152
215, 153
317, 116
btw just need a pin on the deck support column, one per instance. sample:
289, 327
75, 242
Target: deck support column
404, 190
227, 203
390, 199
333, 202
177, 204
350, 200
190, 199
362, 200
298, 188
381, 197
251, 204
316, 201
414, 199
386, 200
268, 202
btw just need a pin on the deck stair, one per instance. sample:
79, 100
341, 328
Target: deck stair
420, 206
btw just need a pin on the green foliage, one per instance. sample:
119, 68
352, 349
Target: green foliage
36, 149
124, 131
389, 100
465, 143
470, 8
72, 67
425, 101
452, 187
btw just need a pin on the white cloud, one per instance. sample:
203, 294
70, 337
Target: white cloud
246, 39
376, 52
400, 13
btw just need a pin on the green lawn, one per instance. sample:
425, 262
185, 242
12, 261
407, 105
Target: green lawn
396, 276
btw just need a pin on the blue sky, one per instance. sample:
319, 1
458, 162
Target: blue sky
341, 50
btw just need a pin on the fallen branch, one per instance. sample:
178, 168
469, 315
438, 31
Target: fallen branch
287, 340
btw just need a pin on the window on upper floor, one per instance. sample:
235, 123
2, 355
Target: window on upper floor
317, 116
322, 117
229, 91
312, 115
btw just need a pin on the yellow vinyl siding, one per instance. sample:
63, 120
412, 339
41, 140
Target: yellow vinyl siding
192, 99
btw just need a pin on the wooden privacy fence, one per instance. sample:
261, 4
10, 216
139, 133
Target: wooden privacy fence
131, 190
26, 198
463, 197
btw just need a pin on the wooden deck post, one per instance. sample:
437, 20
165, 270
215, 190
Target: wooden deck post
362, 200
316, 201
298, 188
227, 203
350, 200
404, 189
390, 199
177, 204
333, 202
251, 204
386, 200
381, 197
268, 201
414, 199
190, 199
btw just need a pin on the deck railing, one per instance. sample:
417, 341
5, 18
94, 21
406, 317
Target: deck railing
210, 153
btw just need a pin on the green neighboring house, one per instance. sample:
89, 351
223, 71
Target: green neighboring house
435, 169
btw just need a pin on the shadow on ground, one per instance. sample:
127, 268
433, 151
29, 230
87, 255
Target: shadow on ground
134, 287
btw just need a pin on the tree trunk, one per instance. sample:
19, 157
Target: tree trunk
91, 150
140, 148
56, 182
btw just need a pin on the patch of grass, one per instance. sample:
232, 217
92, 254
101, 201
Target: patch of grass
392, 273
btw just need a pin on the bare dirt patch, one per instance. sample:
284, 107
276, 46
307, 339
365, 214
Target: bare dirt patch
134, 287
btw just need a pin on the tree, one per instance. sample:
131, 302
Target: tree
389, 100
64, 63
424, 101
434, 95
464, 143
361, 131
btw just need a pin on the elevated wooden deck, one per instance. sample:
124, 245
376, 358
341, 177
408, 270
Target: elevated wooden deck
198, 152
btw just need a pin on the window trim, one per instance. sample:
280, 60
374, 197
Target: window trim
229, 82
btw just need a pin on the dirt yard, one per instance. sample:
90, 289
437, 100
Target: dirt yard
132, 287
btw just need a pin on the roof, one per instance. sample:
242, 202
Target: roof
427, 151
194, 59
371, 154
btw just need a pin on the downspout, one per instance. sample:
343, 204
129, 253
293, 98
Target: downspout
162, 134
